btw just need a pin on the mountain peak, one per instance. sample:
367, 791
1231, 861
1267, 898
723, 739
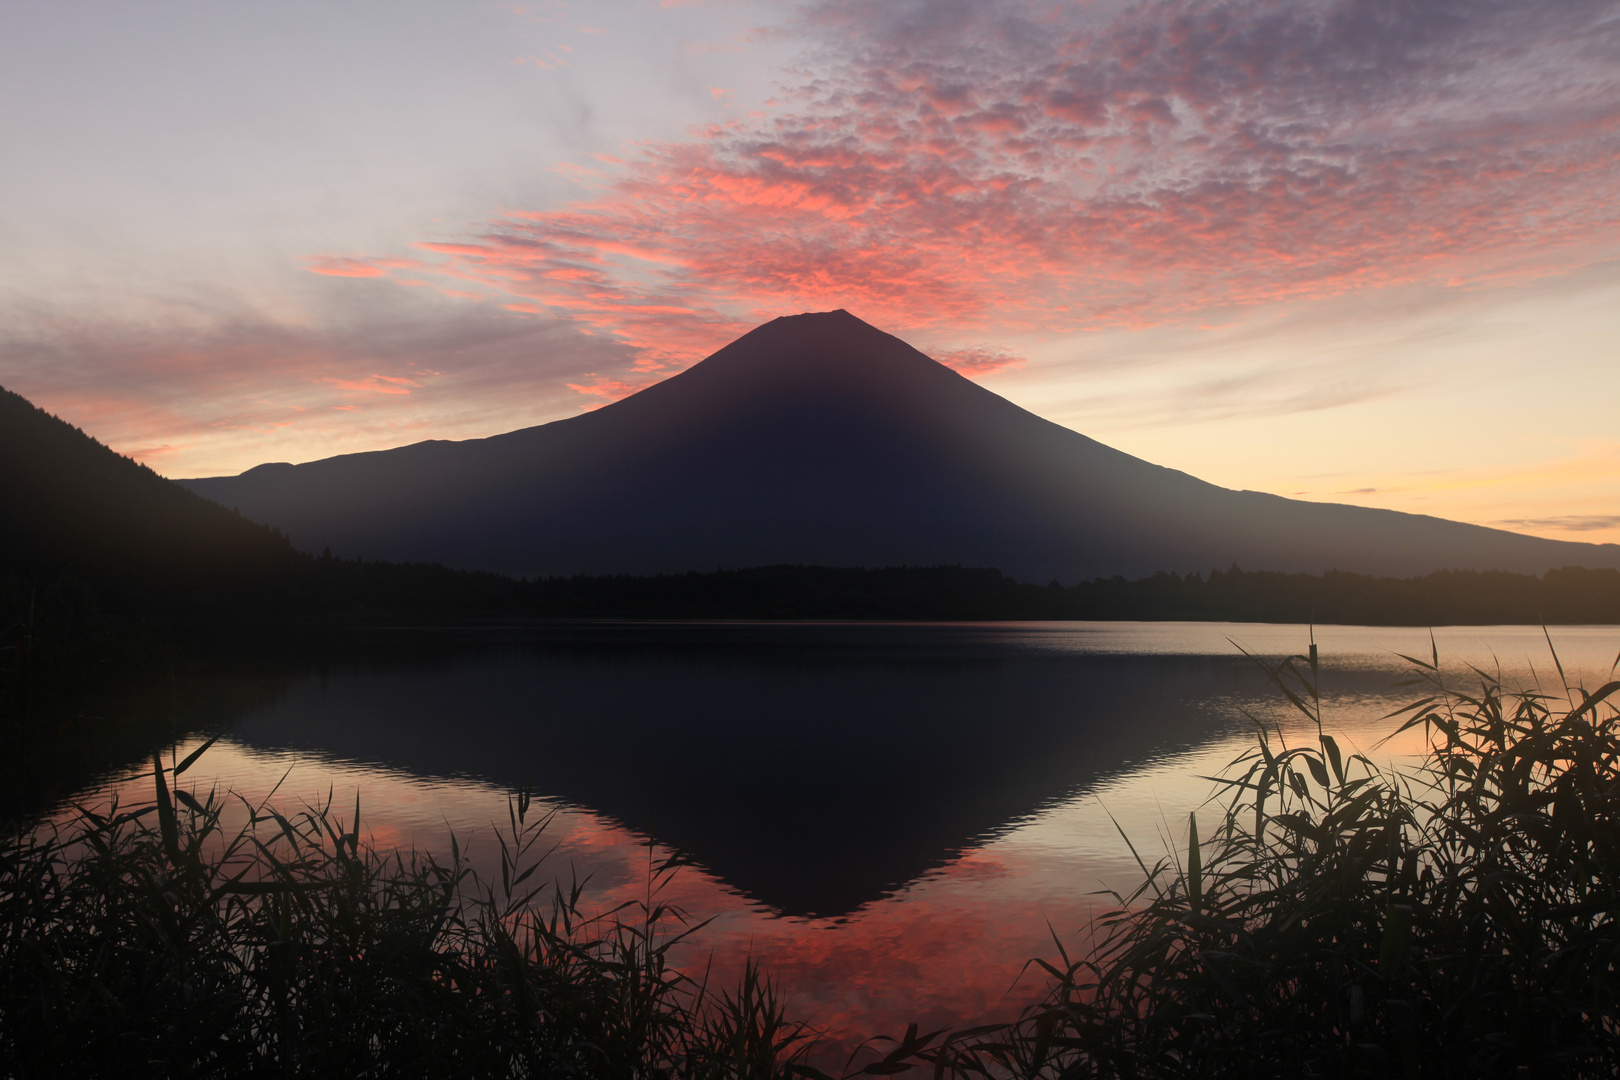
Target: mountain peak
815, 329
828, 315
815, 352
818, 439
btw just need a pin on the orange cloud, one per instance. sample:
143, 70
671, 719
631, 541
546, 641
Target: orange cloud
1578, 523
147, 455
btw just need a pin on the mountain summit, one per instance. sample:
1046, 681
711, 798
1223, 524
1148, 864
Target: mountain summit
819, 439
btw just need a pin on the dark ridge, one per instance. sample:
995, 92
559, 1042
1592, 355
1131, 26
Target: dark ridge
74, 507
76, 510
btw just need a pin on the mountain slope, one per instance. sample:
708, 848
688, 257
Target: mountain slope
70, 505
818, 439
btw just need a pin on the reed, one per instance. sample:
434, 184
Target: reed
154, 942
1346, 919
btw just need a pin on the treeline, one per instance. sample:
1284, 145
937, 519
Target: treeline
1570, 595
1446, 597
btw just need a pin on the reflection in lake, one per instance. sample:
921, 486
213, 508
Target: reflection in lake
889, 816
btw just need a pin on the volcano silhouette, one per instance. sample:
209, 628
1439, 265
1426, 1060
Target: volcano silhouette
819, 439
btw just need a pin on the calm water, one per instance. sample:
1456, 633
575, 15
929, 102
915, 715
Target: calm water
893, 817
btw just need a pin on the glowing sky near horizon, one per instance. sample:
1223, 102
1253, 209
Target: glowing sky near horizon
1358, 251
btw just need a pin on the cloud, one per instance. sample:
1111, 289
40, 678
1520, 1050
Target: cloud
1565, 523
346, 266
606, 389
231, 387
961, 170
980, 361
376, 384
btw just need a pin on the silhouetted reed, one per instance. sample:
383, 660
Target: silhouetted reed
155, 942
1345, 919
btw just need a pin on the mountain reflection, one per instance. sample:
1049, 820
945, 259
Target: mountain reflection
813, 768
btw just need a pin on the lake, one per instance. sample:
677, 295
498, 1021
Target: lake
893, 818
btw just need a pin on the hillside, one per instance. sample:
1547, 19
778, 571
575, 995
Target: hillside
73, 507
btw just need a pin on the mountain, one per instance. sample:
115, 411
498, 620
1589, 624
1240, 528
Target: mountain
72, 508
818, 439
70, 505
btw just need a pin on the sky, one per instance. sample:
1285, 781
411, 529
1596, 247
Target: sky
1361, 251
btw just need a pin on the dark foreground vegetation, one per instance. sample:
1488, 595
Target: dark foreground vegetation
155, 942
1340, 919
1456, 920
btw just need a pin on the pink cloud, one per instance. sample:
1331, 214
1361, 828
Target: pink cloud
997, 170
340, 267
346, 266
980, 361
154, 455
376, 384
605, 388
236, 389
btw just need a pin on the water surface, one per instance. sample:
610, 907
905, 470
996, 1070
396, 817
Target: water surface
893, 817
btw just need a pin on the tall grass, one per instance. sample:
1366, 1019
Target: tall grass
1344, 918
154, 942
